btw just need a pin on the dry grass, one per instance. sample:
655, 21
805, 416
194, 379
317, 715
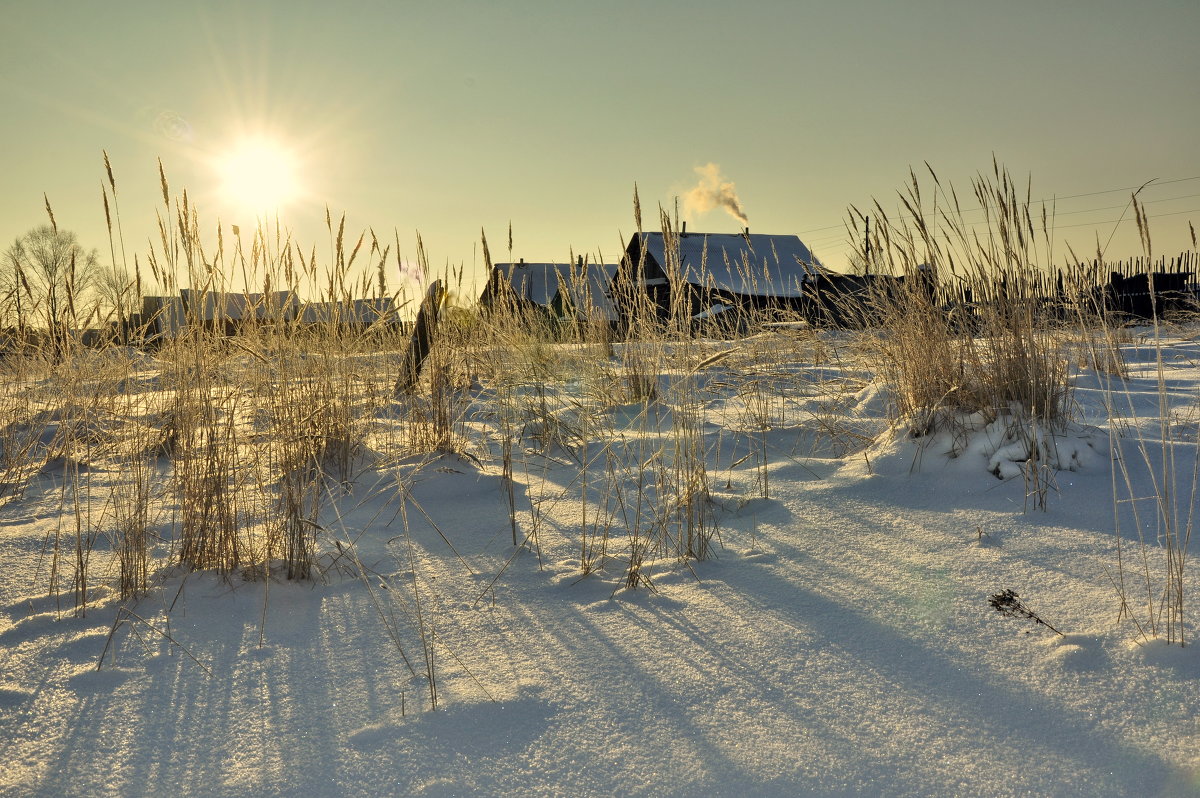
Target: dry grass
232, 448
967, 330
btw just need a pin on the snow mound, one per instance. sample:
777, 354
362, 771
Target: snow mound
1185, 660
1006, 446
1021, 444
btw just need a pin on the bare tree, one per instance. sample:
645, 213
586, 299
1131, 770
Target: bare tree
112, 286
45, 274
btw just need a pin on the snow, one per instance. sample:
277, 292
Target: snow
838, 642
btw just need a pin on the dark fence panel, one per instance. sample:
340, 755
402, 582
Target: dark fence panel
1137, 288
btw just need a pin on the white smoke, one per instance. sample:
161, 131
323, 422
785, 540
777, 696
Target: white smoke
713, 191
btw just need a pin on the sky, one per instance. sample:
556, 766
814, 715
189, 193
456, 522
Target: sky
453, 119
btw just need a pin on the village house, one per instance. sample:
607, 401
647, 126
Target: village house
711, 273
559, 292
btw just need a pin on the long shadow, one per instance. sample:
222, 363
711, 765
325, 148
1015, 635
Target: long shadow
179, 730
638, 712
1081, 500
1004, 714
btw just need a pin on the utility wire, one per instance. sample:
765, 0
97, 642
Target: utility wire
1126, 205
1114, 221
1050, 200
1056, 228
1059, 214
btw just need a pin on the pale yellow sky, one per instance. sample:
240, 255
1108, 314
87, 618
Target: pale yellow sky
450, 118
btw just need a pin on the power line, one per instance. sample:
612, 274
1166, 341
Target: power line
1052, 199
1055, 229
1117, 207
1115, 190
1114, 221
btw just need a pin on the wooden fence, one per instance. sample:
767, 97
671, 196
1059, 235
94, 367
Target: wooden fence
1140, 288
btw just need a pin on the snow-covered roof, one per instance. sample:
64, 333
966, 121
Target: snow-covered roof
590, 297
542, 283
355, 311
213, 305
171, 314
164, 314
533, 282
753, 264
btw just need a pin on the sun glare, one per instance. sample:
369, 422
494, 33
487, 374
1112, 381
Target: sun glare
258, 175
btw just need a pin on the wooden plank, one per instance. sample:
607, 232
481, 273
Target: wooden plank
422, 340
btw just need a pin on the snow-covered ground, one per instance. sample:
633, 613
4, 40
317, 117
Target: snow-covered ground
838, 641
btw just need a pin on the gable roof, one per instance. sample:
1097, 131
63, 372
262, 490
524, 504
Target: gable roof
590, 297
531, 282
359, 312
557, 286
739, 263
219, 305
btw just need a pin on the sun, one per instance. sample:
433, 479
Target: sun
258, 175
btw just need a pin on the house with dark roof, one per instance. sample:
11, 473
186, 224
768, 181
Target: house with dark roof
561, 292
714, 272
161, 317
229, 312
359, 314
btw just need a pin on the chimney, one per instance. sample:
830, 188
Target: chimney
683, 232
746, 232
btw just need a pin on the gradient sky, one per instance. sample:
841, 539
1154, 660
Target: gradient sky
451, 117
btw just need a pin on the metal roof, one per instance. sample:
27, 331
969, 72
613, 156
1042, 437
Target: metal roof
752, 264
543, 283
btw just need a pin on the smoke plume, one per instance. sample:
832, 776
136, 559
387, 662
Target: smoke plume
713, 191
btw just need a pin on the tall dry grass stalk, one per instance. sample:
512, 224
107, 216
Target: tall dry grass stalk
967, 330
1152, 589
132, 495
973, 330
250, 431
211, 534
260, 419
